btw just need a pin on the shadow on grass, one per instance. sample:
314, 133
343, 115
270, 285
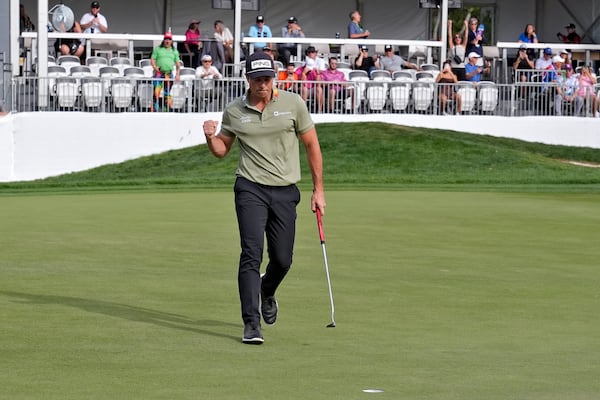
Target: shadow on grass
131, 313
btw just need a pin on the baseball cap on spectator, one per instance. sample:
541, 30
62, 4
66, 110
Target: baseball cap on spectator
523, 47
260, 64
292, 19
311, 49
206, 57
568, 67
260, 18
548, 51
563, 51
570, 26
473, 55
388, 47
557, 59
364, 47
194, 21
168, 35
95, 4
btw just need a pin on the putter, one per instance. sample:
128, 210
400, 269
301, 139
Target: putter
322, 237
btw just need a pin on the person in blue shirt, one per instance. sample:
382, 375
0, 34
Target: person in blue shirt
260, 29
472, 70
355, 28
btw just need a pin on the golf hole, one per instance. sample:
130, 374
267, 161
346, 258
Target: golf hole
373, 390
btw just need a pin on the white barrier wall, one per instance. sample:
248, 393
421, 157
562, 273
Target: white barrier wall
42, 144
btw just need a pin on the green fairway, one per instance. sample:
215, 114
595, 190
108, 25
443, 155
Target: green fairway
439, 295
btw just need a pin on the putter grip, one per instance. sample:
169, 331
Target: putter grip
320, 226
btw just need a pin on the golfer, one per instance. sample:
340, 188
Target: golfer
268, 124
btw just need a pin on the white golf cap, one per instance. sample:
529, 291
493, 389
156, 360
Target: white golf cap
474, 55
558, 59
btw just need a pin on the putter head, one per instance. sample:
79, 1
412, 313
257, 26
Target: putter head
331, 325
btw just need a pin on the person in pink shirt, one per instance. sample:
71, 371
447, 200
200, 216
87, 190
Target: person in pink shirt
333, 74
586, 88
192, 41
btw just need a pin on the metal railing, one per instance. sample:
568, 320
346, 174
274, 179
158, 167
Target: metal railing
125, 94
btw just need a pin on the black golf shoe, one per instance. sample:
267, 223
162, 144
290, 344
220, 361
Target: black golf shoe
268, 309
252, 333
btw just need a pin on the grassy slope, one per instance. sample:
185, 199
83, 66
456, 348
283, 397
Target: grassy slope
364, 155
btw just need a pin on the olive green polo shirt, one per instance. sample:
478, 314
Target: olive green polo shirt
269, 147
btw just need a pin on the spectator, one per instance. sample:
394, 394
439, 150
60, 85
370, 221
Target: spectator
446, 92
207, 70
260, 30
392, 62
585, 88
567, 92
166, 64
310, 88
287, 78
545, 60
457, 49
566, 57
355, 28
291, 30
225, 38
552, 71
527, 37
473, 71
523, 66
475, 39
68, 46
25, 24
365, 62
94, 22
571, 36
192, 43
332, 74
313, 61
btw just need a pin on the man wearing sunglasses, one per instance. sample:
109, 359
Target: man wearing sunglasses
94, 22
260, 30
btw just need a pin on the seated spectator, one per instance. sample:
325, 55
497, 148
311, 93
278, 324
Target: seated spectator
287, 79
260, 30
457, 47
571, 37
552, 72
192, 44
311, 89
392, 62
313, 61
224, 37
566, 92
446, 92
332, 74
365, 62
472, 70
291, 30
523, 66
585, 91
74, 47
207, 70
545, 60
566, 57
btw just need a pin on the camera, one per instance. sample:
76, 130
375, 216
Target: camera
559, 35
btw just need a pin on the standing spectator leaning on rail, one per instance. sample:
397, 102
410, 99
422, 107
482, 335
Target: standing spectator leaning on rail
355, 28
93, 21
166, 64
457, 49
266, 195
291, 30
528, 37
571, 37
476, 39
260, 30
225, 38
192, 44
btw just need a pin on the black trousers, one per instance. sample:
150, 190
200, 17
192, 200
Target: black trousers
263, 211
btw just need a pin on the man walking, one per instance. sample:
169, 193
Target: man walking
268, 124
